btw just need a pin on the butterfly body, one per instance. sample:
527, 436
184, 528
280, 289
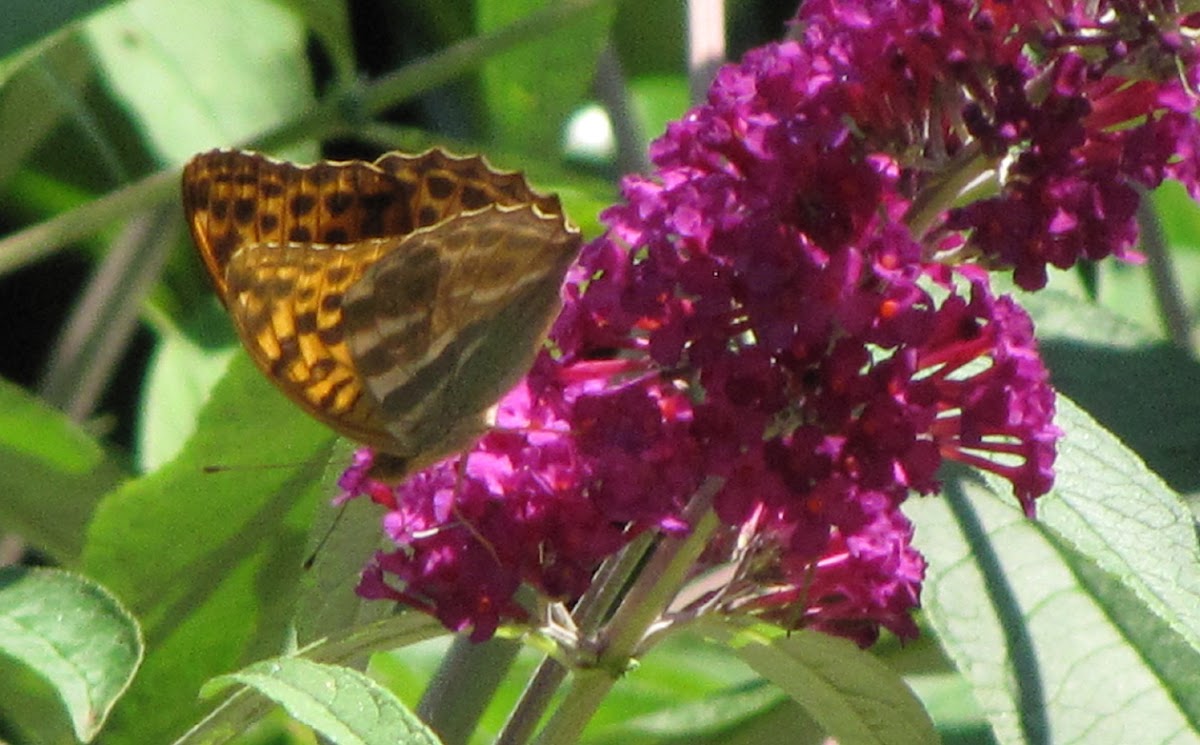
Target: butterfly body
395, 301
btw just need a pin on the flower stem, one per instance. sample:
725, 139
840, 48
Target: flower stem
968, 167
1171, 306
464, 685
663, 575
597, 603
589, 613
534, 700
619, 641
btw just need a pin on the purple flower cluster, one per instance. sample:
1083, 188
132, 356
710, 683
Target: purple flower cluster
792, 309
1076, 105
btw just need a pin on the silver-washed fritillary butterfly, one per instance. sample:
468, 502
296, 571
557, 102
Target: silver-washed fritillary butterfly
394, 301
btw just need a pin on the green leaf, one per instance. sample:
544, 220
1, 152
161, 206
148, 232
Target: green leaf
75, 635
532, 89
349, 647
401, 628
658, 100
759, 714
1121, 516
1102, 587
1180, 215
211, 562
652, 38
345, 540
51, 474
182, 374
1124, 291
201, 75
854, 696
931, 675
719, 716
1103, 362
345, 706
686, 688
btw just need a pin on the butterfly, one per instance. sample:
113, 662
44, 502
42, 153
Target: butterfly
395, 301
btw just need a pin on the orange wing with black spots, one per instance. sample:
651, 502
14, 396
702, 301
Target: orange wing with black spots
395, 301
233, 198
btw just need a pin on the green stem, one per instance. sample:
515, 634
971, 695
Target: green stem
588, 689
612, 90
936, 198
534, 699
597, 602
38, 241
1171, 305
437, 68
588, 614
619, 641
102, 323
464, 685
666, 572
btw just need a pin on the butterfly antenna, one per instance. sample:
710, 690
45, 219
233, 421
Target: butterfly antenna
232, 467
312, 558
458, 482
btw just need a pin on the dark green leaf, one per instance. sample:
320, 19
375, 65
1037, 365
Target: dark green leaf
25, 23
345, 539
36, 94
1105, 362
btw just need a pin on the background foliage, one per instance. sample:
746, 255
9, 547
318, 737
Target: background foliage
110, 321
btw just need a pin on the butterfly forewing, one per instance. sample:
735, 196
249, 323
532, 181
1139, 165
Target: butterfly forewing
396, 300
233, 199
444, 185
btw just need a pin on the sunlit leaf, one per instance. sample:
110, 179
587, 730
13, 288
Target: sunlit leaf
345, 706
854, 696
1101, 587
75, 635
203, 75
210, 562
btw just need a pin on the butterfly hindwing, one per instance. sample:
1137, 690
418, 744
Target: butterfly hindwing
485, 287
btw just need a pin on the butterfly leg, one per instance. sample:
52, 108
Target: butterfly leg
460, 478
